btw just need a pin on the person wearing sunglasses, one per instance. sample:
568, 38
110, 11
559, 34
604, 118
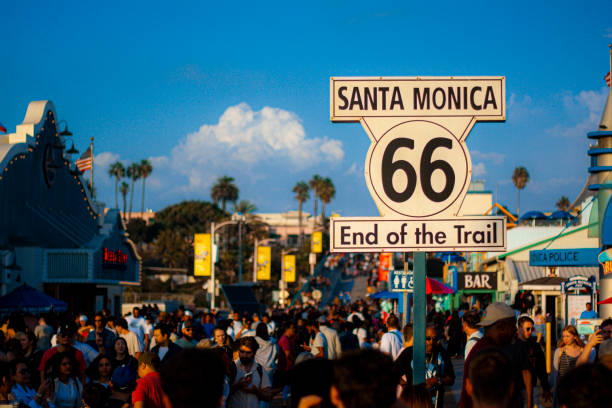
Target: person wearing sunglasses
529, 355
438, 368
187, 340
24, 394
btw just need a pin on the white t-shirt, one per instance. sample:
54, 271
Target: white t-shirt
472, 340
241, 399
319, 341
138, 326
132, 343
391, 343
361, 334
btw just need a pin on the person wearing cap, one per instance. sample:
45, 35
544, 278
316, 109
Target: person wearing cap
67, 330
84, 328
187, 340
123, 382
499, 329
333, 341
148, 392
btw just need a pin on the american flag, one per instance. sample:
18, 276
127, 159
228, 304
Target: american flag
2, 128
85, 162
607, 79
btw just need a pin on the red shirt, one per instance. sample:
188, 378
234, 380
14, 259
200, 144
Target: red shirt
53, 351
149, 390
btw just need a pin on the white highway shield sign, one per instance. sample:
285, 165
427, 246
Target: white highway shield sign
382, 234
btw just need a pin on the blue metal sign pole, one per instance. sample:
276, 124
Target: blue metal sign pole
420, 311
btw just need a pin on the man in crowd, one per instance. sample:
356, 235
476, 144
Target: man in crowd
363, 378
164, 348
391, 342
148, 392
589, 313
186, 340
187, 385
438, 367
67, 331
499, 329
101, 338
490, 380
138, 325
334, 348
251, 385
134, 348
318, 343
470, 322
43, 333
529, 357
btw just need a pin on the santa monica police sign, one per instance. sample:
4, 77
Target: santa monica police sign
564, 257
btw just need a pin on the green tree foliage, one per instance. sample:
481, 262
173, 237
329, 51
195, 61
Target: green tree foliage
124, 189
189, 217
563, 203
327, 192
224, 190
315, 185
140, 232
173, 249
520, 178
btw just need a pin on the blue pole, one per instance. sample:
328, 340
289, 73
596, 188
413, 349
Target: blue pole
420, 311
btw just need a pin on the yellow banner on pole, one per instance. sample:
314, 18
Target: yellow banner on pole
264, 258
289, 267
317, 242
202, 255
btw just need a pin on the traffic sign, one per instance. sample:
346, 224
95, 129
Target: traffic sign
381, 234
399, 281
418, 165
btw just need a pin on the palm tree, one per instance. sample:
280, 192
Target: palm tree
133, 172
563, 204
224, 190
146, 168
245, 207
302, 193
326, 193
315, 186
124, 189
520, 177
117, 171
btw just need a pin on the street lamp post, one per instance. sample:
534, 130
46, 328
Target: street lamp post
239, 218
282, 285
213, 258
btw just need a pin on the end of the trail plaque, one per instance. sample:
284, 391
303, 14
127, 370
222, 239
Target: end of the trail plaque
380, 234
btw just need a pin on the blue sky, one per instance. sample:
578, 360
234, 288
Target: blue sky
206, 89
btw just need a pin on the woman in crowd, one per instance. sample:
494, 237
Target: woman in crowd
31, 355
122, 357
568, 350
100, 370
23, 393
66, 385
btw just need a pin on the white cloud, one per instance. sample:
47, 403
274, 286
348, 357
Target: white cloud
158, 161
246, 141
608, 33
104, 159
586, 107
479, 170
494, 157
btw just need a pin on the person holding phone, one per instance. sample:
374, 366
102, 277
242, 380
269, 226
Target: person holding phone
590, 353
251, 384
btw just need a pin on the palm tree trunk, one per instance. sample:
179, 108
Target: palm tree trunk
323, 212
518, 200
116, 193
131, 198
143, 194
124, 208
300, 223
314, 213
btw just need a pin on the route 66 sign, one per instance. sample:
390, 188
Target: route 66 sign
418, 165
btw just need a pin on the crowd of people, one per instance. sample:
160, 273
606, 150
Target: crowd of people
351, 355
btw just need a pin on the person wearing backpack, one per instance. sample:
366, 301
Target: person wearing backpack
391, 342
251, 384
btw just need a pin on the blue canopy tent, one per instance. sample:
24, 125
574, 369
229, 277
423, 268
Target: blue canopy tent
533, 215
27, 299
450, 257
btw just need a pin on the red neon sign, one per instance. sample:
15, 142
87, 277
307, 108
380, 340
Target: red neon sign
112, 258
